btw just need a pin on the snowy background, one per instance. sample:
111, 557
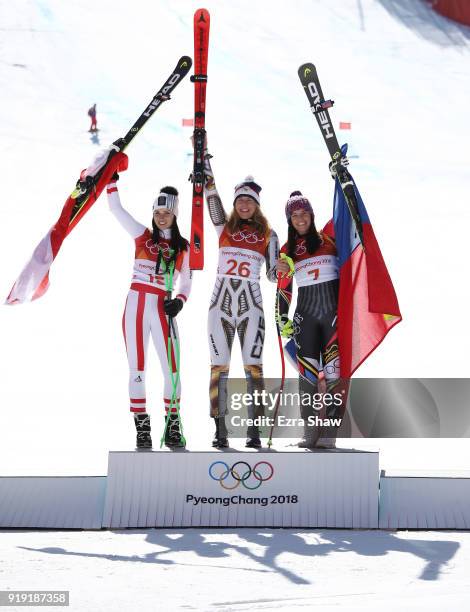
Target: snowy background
397, 72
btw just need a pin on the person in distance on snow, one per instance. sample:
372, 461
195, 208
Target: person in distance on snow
314, 325
245, 242
147, 309
92, 115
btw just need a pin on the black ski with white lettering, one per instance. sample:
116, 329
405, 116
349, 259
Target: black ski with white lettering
85, 192
182, 68
319, 106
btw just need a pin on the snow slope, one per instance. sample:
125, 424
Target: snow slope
64, 372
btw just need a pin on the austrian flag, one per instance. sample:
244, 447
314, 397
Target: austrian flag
33, 281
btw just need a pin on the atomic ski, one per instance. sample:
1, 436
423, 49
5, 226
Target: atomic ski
309, 78
201, 50
89, 188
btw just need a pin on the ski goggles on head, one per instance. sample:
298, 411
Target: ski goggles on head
168, 201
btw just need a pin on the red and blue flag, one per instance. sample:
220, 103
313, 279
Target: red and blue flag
367, 304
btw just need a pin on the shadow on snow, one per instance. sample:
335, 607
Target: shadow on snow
436, 554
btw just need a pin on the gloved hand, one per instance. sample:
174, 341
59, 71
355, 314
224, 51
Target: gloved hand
285, 266
172, 307
334, 166
286, 326
115, 177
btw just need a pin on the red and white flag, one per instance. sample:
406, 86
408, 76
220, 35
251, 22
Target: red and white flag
33, 281
344, 125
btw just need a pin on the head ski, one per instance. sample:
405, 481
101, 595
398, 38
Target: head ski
84, 199
201, 50
34, 280
319, 106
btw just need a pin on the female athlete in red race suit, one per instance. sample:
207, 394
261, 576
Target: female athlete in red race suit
147, 307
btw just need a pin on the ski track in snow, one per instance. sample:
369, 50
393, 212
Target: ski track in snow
396, 71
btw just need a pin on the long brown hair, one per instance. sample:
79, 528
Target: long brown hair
312, 239
258, 220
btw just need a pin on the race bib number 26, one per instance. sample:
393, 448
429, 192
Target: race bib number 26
236, 268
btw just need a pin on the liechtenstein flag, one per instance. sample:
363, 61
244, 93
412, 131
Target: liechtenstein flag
367, 304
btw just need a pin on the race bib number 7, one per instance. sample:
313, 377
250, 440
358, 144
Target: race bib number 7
312, 270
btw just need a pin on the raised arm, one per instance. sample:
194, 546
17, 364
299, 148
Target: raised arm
272, 255
127, 221
214, 203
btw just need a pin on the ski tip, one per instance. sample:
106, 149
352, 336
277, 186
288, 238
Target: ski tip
184, 64
305, 70
202, 15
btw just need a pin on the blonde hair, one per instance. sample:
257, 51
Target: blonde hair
258, 220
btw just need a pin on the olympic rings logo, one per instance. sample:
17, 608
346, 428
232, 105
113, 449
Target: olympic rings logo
250, 237
154, 248
301, 249
236, 476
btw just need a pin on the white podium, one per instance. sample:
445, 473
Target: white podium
242, 489
322, 489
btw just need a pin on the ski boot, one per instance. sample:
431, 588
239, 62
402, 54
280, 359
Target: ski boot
220, 436
142, 425
311, 432
173, 437
252, 438
306, 442
327, 443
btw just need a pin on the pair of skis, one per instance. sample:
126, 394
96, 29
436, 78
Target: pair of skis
89, 188
319, 106
201, 50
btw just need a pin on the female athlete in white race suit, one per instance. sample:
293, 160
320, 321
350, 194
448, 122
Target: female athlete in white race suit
245, 243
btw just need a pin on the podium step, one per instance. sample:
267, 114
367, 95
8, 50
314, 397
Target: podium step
52, 502
233, 489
